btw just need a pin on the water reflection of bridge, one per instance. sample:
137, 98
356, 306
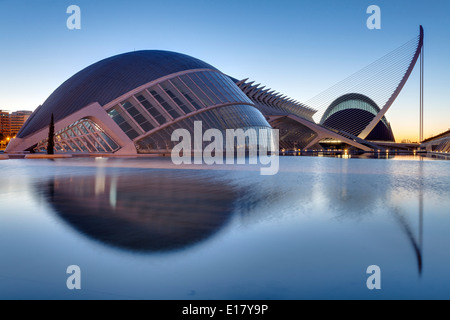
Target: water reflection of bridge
416, 241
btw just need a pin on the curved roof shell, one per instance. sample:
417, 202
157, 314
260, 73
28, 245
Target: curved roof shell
107, 80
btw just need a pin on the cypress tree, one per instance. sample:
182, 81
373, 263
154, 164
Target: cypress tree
51, 135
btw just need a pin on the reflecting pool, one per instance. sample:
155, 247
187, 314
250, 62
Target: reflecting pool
146, 229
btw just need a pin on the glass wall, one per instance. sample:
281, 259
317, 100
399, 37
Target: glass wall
140, 115
358, 104
293, 135
227, 117
179, 96
82, 136
124, 122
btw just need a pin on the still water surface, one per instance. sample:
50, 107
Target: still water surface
144, 229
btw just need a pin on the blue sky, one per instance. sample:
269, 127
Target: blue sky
299, 48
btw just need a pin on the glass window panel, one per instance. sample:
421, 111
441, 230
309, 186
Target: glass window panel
179, 103
96, 145
211, 85
189, 98
127, 105
94, 142
83, 128
125, 126
132, 134
219, 85
241, 96
133, 111
88, 144
205, 89
147, 126
77, 131
58, 147
88, 125
112, 113
73, 145
110, 142
230, 116
227, 80
151, 109
107, 140
65, 146
174, 95
101, 141
71, 133
192, 101
193, 93
173, 113
83, 139
163, 103
81, 145
118, 119
140, 119
232, 86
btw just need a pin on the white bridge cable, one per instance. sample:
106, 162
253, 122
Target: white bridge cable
367, 73
368, 87
376, 85
378, 81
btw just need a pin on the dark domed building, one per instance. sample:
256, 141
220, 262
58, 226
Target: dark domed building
353, 112
131, 103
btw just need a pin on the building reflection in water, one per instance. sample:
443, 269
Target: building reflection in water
160, 211
165, 210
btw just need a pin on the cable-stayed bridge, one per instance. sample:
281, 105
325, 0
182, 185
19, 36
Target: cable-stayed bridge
352, 112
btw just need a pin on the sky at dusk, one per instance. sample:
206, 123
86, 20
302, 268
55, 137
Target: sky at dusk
299, 48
